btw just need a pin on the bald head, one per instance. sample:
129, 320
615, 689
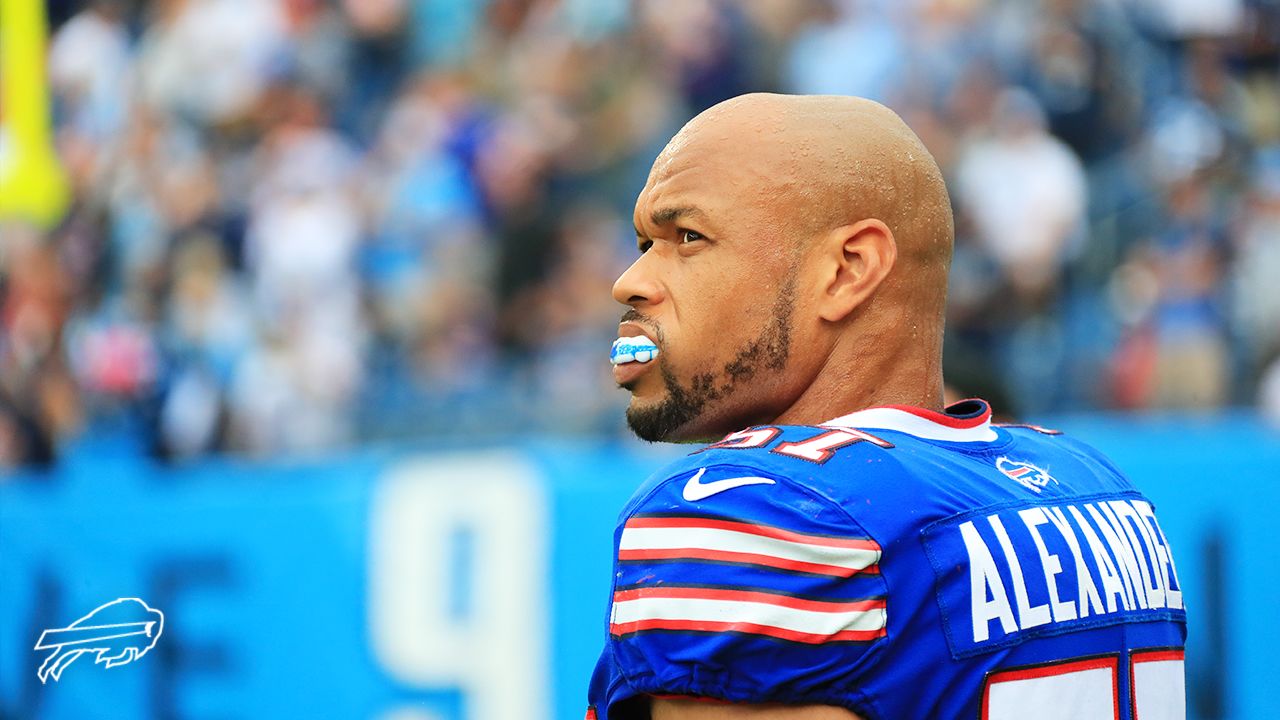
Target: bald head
819, 162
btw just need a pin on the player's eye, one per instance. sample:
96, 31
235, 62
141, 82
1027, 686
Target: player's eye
644, 246
688, 236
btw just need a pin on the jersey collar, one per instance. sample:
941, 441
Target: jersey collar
965, 421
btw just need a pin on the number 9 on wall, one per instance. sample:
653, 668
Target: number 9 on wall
457, 582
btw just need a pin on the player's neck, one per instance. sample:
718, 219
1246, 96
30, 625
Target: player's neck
856, 380
813, 410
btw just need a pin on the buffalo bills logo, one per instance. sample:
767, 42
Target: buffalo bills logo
117, 633
1025, 474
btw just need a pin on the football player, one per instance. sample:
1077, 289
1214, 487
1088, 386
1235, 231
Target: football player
846, 546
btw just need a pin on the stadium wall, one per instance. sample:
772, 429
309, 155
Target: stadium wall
470, 584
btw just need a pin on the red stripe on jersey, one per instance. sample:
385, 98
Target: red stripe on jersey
753, 529
948, 420
747, 558
788, 601
1051, 669
1141, 656
748, 628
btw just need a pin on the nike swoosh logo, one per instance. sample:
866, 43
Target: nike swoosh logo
695, 490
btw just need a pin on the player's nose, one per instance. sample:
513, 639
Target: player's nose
638, 284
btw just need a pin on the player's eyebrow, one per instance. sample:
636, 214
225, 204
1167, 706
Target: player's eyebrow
666, 216
669, 215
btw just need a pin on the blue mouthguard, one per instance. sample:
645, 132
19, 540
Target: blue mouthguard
633, 349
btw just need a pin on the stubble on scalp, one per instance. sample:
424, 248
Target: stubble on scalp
685, 404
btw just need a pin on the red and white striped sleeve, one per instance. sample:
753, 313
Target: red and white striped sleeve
769, 593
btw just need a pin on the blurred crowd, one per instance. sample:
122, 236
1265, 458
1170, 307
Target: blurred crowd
303, 224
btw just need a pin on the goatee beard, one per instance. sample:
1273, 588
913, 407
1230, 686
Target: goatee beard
684, 405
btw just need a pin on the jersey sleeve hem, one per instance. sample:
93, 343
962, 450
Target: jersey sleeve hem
720, 686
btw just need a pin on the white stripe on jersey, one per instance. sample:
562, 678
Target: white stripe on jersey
731, 541
768, 615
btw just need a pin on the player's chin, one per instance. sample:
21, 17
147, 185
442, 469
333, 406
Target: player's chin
646, 425
660, 419
649, 432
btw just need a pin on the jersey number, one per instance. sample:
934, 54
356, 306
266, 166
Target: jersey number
817, 449
1088, 689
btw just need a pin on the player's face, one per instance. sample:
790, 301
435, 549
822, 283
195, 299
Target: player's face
716, 291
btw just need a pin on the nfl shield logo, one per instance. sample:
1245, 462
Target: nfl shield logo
1025, 474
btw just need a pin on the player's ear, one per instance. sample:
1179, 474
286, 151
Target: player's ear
855, 260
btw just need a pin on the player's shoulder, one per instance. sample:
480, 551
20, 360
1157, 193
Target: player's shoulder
764, 473
1051, 443
966, 437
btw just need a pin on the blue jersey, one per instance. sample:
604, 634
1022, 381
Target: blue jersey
899, 563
